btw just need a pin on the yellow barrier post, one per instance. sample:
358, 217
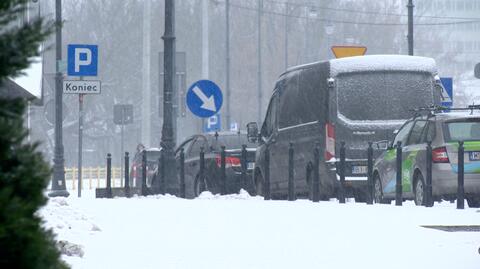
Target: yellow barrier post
73, 178
98, 176
90, 178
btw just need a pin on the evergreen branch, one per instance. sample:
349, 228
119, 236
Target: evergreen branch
19, 45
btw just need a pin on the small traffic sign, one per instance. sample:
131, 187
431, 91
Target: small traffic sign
123, 114
82, 86
348, 51
61, 66
233, 126
49, 111
447, 91
204, 98
212, 124
82, 60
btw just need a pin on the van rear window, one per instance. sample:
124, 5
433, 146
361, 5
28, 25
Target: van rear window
383, 95
466, 130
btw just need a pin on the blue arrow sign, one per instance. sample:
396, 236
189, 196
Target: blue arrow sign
204, 98
447, 91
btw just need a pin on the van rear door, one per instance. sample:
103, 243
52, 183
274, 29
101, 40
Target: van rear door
369, 106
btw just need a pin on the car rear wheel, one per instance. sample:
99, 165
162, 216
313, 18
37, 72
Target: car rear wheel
419, 190
200, 186
259, 184
473, 202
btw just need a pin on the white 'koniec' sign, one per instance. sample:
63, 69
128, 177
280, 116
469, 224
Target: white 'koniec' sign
82, 86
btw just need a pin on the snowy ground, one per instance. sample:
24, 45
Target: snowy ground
239, 231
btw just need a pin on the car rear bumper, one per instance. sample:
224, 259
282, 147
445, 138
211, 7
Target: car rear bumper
445, 181
236, 182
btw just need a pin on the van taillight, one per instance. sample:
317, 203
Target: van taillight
229, 161
329, 141
439, 155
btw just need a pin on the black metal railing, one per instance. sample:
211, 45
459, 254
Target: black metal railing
314, 174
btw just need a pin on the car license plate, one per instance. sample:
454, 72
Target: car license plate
474, 155
359, 169
250, 166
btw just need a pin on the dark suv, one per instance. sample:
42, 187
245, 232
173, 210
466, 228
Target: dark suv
355, 100
211, 144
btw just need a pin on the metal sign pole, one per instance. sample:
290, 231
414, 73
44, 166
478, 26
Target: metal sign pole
80, 141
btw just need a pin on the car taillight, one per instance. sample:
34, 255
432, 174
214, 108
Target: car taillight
329, 141
229, 161
439, 155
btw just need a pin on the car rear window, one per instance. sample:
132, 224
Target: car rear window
462, 130
388, 95
231, 142
153, 155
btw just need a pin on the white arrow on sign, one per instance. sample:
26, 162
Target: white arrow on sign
208, 102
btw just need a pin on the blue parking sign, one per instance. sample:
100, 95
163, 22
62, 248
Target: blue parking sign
212, 124
82, 60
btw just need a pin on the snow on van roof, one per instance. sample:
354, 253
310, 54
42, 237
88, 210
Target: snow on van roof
382, 62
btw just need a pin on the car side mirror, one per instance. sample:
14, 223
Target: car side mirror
252, 132
477, 70
383, 144
390, 146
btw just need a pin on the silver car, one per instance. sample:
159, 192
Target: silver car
444, 129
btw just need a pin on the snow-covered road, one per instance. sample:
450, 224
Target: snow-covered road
239, 231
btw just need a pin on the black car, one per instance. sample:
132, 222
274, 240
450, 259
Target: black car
153, 154
211, 181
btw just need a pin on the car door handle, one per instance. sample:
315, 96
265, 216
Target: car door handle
193, 164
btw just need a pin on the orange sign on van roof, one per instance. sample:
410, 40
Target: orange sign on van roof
348, 51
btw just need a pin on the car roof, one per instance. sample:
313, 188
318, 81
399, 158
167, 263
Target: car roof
225, 133
451, 115
153, 149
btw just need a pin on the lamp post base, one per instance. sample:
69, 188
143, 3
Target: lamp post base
58, 193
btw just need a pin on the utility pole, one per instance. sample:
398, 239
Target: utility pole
227, 67
58, 182
146, 91
287, 11
259, 59
205, 44
410, 27
169, 177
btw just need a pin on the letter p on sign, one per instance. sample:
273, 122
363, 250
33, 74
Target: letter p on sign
82, 60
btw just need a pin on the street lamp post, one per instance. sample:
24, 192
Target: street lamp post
58, 182
287, 13
168, 183
410, 27
227, 68
259, 59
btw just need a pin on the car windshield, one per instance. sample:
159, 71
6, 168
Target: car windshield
464, 130
153, 155
387, 95
231, 142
